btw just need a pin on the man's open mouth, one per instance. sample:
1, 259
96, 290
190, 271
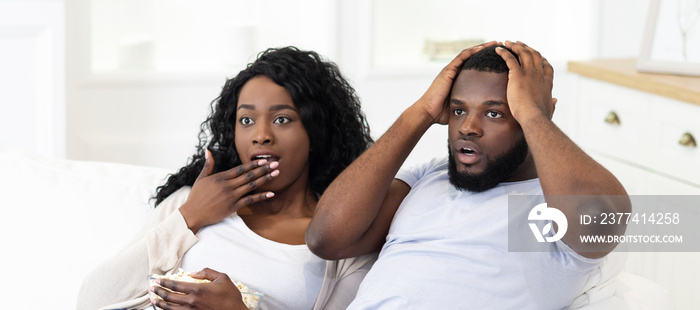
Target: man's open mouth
468, 151
468, 155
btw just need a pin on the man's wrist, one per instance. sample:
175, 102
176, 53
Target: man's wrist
417, 114
526, 117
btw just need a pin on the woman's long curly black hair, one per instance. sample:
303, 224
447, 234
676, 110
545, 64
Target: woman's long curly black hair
329, 107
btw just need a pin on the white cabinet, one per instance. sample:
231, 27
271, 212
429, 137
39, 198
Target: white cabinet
643, 139
675, 135
613, 120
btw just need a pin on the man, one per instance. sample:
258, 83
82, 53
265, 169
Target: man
443, 228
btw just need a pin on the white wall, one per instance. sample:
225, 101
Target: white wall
621, 28
385, 41
150, 115
147, 110
32, 83
98, 106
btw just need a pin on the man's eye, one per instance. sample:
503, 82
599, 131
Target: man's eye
246, 120
457, 111
282, 120
493, 114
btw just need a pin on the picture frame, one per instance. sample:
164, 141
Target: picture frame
671, 42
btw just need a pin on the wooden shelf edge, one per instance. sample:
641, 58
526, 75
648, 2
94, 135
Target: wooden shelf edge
623, 72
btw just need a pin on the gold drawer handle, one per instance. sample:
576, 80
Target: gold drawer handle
612, 118
687, 140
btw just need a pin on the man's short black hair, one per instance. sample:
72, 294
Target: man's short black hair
487, 60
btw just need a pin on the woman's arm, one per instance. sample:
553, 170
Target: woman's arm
170, 232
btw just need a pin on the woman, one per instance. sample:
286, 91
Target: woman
279, 133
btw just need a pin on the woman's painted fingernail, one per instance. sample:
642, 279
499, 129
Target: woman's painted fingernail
262, 162
274, 164
270, 195
275, 173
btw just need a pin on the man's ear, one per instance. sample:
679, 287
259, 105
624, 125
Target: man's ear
554, 105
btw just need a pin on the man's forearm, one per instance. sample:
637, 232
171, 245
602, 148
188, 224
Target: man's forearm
571, 181
575, 184
344, 221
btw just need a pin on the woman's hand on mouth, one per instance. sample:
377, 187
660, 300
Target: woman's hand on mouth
215, 196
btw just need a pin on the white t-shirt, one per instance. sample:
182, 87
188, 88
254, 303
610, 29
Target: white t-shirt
448, 249
290, 276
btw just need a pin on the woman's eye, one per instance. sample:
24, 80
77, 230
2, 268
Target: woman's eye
457, 111
246, 120
282, 120
493, 114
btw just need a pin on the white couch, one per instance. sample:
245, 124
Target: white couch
60, 218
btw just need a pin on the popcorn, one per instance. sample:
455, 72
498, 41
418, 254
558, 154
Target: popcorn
181, 275
250, 298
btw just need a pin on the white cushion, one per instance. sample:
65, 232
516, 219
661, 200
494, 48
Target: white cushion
60, 218
633, 292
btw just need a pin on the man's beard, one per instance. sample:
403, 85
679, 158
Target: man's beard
497, 170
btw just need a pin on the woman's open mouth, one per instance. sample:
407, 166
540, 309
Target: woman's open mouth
269, 156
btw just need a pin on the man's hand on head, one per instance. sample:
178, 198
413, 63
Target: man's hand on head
529, 82
433, 102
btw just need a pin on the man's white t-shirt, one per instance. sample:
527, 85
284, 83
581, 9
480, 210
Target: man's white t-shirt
290, 276
448, 249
